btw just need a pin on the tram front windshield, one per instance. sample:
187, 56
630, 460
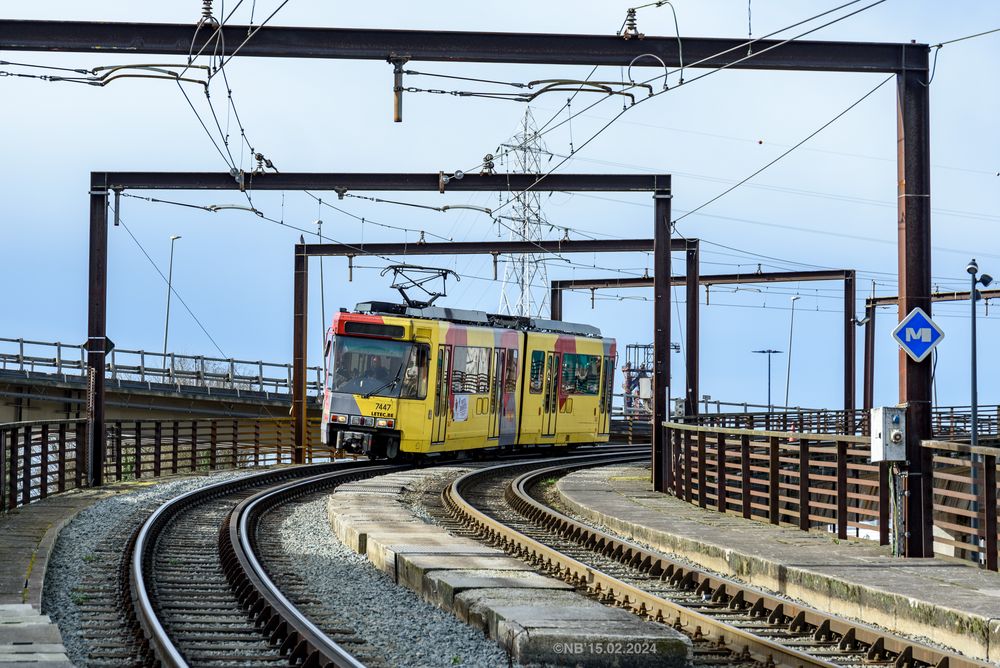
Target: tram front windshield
367, 366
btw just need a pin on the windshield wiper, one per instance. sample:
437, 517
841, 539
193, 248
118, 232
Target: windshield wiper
391, 383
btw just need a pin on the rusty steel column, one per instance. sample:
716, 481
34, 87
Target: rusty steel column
691, 364
555, 301
869, 370
299, 343
914, 220
97, 341
661, 337
850, 352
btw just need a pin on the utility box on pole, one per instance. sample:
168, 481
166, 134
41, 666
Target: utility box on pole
888, 429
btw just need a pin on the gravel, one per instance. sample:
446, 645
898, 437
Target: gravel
81, 560
407, 630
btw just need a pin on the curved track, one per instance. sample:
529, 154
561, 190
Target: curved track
200, 594
729, 622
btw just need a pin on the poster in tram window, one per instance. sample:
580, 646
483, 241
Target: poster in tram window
461, 410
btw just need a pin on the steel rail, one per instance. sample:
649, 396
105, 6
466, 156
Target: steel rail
735, 596
304, 643
612, 590
154, 636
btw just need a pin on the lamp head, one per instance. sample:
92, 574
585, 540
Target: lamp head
175, 237
985, 280
796, 298
973, 267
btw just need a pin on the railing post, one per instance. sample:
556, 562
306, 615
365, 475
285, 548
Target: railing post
773, 481
80, 449
702, 473
157, 447
61, 466
720, 476
989, 507
194, 445
213, 446
803, 484
688, 496
3, 469
118, 451
43, 456
26, 468
676, 453
256, 442
841, 489
236, 443
883, 503
12, 497
175, 446
138, 449
745, 474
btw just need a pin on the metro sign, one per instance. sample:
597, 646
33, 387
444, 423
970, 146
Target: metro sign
917, 335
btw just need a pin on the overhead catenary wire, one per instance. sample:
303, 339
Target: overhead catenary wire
699, 77
173, 290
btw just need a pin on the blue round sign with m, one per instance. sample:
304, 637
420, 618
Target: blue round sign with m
917, 334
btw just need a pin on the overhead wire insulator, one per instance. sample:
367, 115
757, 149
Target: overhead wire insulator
488, 164
631, 28
206, 10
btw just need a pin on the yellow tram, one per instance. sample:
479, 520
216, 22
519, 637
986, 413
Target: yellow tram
404, 381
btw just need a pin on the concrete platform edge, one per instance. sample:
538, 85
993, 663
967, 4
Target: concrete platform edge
538, 620
972, 634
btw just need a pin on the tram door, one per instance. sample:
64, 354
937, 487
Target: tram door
496, 391
604, 400
550, 397
439, 425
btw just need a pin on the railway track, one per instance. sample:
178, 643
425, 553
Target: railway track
728, 622
197, 585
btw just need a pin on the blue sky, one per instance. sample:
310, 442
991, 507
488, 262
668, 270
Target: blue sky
830, 203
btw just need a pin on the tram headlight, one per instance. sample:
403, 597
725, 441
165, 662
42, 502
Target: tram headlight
384, 423
340, 419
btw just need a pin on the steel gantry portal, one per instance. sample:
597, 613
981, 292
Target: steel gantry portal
909, 63
105, 184
692, 280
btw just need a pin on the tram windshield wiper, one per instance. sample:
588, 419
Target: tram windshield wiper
391, 383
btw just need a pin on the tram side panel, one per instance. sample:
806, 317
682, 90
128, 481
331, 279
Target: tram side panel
566, 397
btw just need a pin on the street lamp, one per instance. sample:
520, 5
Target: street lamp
984, 280
768, 352
170, 279
788, 371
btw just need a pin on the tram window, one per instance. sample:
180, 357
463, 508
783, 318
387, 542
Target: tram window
581, 374
510, 376
537, 369
470, 370
415, 375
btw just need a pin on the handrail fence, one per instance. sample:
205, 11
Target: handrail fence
41, 458
27, 356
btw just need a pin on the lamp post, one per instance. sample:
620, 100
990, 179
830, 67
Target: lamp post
984, 280
768, 352
788, 370
170, 279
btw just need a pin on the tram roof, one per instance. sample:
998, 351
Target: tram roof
479, 318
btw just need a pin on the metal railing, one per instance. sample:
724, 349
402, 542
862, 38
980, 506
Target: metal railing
173, 369
828, 482
41, 458
965, 501
947, 422
810, 480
